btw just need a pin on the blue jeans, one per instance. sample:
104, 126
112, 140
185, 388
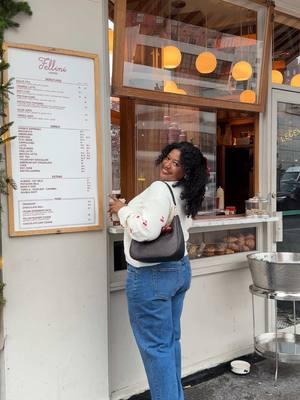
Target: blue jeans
155, 297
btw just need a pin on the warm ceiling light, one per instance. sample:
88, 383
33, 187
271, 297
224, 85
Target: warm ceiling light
248, 96
110, 40
242, 71
277, 76
171, 87
206, 62
295, 82
171, 57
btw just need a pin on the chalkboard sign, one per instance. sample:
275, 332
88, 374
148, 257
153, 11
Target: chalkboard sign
56, 158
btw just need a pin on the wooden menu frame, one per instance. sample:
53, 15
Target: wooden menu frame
118, 89
78, 100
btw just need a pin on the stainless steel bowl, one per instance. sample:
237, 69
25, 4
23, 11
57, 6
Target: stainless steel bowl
275, 271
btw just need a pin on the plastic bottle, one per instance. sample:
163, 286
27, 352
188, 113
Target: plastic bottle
182, 136
220, 198
173, 133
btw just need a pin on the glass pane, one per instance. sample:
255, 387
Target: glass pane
209, 49
115, 141
157, 125
220, 243
288, 174
286, 50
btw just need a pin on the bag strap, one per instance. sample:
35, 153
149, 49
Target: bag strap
171, 191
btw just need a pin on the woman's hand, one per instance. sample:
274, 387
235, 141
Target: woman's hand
115, 205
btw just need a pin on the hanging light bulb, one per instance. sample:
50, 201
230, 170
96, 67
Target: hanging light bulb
110, 40
171, 57
295, 82
206, 62
242, 71
248, 96
277, 76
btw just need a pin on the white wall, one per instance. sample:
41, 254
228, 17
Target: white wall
55, 320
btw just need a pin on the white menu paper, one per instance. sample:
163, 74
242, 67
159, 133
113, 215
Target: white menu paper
54, 157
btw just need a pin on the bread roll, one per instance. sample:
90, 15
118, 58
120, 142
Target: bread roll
233, 246
250, 243
232, 239
229, 251
244, 248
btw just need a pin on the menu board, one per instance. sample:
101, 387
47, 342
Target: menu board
55, 158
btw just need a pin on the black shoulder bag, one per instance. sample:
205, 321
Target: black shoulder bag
169, 246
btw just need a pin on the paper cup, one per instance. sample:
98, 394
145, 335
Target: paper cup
240, 367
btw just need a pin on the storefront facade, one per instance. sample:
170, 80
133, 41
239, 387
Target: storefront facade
66, 332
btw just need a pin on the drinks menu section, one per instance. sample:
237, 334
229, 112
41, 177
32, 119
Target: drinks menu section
54, 157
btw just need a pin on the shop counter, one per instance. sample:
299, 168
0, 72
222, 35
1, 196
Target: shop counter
215, 244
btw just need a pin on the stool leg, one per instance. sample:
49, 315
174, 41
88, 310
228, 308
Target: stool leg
276, 344
295, 328
253, 319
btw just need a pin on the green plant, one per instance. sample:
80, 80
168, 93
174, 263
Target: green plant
8, 10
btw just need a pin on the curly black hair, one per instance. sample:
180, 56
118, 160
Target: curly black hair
195, 174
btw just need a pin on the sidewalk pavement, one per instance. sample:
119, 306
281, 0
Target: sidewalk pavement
220, 383
259, 384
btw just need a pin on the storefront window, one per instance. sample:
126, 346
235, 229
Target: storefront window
156, 125
140, 127
288, 174
211, 50
286, 50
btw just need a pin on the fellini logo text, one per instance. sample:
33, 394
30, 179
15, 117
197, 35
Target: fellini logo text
49, 64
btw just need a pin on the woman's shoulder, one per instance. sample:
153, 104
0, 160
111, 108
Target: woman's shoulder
161, 186
156, 188
157, 185
159, 189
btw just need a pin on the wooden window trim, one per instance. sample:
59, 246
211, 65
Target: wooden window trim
118, 89
127, 148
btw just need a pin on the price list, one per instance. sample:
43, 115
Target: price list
54, 157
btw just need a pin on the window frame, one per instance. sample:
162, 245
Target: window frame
119, 90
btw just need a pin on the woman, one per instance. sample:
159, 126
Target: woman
155, 292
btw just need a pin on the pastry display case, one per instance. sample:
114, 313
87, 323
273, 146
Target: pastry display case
220, 243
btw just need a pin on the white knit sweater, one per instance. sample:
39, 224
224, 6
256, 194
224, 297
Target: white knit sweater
147, 213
